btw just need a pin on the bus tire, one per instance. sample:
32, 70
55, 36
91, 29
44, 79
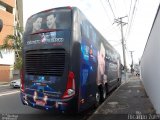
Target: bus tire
97, 99
101, 93
104, 93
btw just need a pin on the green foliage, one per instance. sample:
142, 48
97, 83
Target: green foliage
18, 63
14, 42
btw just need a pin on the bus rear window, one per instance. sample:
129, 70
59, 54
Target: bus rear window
49, 20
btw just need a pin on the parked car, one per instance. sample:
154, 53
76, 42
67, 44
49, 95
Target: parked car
15, 83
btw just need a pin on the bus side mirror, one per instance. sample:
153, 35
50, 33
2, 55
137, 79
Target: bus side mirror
1, 25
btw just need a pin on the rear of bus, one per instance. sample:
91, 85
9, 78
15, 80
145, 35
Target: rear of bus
46, 79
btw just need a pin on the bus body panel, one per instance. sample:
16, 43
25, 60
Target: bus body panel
46, 61
78, 48
91, 42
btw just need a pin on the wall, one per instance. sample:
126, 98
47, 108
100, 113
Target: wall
7, 59
5, 73
150, 64
8, 20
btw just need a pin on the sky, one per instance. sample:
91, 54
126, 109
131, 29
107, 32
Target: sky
139, 16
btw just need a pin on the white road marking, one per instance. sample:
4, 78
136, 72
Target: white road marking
9, 93
4, 85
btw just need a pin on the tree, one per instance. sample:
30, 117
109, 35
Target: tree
14, 43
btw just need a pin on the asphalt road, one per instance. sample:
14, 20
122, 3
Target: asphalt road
5, 88
12, 108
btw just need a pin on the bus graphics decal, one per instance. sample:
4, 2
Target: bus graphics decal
43, 84
45, 38
49, 28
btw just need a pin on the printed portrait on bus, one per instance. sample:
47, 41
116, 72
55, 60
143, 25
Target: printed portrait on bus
101, 76
51, 21
37, 24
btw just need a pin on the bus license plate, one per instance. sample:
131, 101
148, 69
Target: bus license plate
40, 102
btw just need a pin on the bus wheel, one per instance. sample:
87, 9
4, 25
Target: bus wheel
104, 93
97, 98
101, 95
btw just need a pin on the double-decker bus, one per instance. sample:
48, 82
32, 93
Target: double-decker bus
67, 64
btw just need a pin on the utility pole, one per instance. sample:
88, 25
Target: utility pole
132, 61
120, 22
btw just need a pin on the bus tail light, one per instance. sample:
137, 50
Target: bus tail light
22, 80
45, 98
35, 96
70, 89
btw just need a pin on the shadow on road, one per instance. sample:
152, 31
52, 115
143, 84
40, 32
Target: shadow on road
46, 116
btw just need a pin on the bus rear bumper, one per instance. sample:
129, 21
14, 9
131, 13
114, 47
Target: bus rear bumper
57, 105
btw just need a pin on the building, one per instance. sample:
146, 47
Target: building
150, 64
11, 13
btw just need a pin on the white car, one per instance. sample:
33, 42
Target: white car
15, 83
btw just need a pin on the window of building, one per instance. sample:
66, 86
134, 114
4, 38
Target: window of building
5, 7
2, 7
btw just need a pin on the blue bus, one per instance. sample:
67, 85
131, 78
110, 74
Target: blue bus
68, 66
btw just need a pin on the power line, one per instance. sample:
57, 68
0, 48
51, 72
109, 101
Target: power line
129, 10
114, 6
105, 11
128, 17
111, 9
131, 20
125, 6
113, 28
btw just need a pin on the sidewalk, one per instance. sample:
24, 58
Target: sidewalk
129, 101
4, 83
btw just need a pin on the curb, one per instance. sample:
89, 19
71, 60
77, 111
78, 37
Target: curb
90, 118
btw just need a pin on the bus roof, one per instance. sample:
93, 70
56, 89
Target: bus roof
65, 7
